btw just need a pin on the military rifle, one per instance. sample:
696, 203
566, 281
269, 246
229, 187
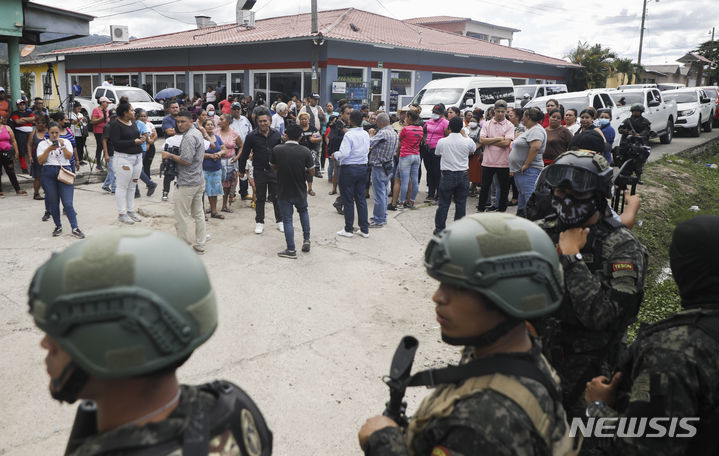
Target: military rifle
399, 372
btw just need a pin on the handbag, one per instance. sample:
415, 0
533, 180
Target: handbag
8, 155
65, 176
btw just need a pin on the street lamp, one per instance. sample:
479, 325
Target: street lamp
641, 32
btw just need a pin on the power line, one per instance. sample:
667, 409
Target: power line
135, 10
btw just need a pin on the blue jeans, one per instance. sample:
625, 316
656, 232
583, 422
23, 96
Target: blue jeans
408, 169
353, 183
110, 178
56, 191
286, 211
525, 184
380, 182
330, 169
452, 183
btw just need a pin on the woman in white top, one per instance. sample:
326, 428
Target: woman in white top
150, 148
54, 153
79, 129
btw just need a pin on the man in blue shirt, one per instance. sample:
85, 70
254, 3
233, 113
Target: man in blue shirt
352, 158
76, 89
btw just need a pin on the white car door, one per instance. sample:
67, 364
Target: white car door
661, 116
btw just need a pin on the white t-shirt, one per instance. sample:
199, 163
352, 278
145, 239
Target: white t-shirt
211, 97
455, 150
55, 157
80, 118
242, 127
278, 123
150, 128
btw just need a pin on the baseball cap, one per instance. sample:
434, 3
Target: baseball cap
103, 99
112, 113
315, 95
2, 89
20, 100
236, 105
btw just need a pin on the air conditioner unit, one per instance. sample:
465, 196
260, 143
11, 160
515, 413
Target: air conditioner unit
119, 33
246, 18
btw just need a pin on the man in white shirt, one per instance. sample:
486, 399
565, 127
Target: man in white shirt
454, 151
278, 120
352, 158
242, 126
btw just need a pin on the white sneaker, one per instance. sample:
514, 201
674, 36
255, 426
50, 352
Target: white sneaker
344, 233
259, 228
208, 237
125, 219
281, 227
364, 235
134, 216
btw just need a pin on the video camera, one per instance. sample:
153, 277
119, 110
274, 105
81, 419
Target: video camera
168, 167
630, 157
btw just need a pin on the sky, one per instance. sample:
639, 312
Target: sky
549, 27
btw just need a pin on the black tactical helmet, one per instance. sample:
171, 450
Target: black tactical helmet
582, 171
637, 107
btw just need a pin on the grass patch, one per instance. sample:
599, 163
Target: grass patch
672, 185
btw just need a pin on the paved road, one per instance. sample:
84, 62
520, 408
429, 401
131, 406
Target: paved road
310, 338
679, 144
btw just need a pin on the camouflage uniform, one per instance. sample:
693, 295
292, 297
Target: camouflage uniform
582, 339
166, 438
673, 372
484, 423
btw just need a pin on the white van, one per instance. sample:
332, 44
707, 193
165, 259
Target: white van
464, 92
536, 90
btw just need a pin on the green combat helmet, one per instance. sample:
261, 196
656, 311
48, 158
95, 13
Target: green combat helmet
507, 259
124, 303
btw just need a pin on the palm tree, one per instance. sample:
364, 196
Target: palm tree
626, 68
596, 62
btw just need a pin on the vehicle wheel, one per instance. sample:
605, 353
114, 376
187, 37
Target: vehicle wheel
708, 126
716, 122
696, 131
668, 135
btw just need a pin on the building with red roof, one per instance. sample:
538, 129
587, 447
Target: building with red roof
377, 57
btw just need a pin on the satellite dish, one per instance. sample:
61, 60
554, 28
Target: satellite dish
27, 50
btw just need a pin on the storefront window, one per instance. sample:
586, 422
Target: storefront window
198, 85
180, 82
164, 81
284, 86
400, 86
237, 83
87, 82
308, 84
120, 79
260, 80
353, 75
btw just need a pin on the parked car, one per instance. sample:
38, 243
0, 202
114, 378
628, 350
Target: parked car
597, 98
713, 93
660, 111
536, 90
695, 109
464, 92
636, 86
670, 86
138, 98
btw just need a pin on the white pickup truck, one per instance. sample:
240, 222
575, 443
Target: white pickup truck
696, 111
138, 98
659, 109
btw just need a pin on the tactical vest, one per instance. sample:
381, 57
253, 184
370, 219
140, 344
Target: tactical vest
233, 426
705, 319
440, 404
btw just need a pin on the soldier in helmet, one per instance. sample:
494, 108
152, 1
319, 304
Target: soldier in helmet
495, 271
121, 312
672, 370
604, 270
635, 126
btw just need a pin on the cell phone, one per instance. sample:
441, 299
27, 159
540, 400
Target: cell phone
55, 142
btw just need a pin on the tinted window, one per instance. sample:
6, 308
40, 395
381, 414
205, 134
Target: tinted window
627, 99
597, 102
470, 95
99, 93
519, 91
448, 96
607, 100
578, 103
418, 98
553, 90
657, 95
489, 95
686, 97
134, 96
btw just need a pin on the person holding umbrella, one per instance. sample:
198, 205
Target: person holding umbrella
170, 92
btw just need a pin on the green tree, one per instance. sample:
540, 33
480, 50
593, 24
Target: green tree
625, 67
710, 50
596, 62
26, 80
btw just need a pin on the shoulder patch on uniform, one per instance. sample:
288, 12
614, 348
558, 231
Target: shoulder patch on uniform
440, 451
622, 267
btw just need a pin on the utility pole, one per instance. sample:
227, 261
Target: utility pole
315, 50
641, 33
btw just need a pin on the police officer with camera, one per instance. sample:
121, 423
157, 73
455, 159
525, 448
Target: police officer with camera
494, 272
604, 270
115, 333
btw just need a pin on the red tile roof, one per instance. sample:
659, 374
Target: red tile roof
334, 25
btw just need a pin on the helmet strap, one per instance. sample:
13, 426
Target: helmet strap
487, 338
67, 387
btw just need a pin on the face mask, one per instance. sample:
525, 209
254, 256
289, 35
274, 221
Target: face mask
210, 113
473, 125
573, 212
603, 122
435, 116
